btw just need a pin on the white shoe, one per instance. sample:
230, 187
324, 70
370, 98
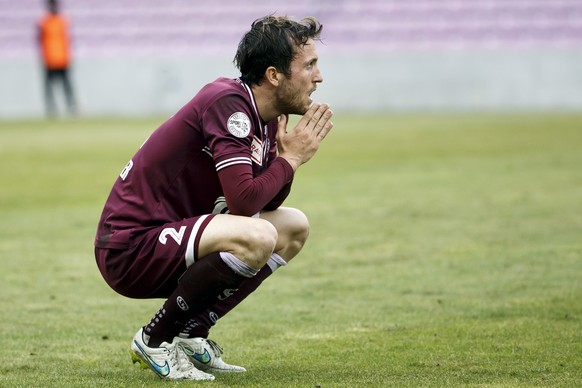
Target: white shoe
205, 355
168, 361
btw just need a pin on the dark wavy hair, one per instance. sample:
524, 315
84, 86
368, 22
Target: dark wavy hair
273, 41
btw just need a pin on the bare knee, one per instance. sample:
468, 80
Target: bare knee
251, 240
298, 229
257, 243
293, 230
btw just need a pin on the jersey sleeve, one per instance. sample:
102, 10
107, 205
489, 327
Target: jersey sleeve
229, 129
246, 195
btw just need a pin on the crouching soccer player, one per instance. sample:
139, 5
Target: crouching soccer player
196, 218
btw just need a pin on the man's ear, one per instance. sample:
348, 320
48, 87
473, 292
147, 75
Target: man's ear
272, 75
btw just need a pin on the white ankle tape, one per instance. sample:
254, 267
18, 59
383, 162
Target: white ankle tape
275, 261
237, 265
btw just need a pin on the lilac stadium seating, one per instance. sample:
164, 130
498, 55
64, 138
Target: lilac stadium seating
176, 27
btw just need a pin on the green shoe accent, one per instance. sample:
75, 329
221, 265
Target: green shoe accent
135, 358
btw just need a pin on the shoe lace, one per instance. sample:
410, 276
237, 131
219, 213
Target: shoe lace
215, 347
180, 359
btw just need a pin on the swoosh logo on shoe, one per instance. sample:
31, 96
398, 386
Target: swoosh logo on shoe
202, 357
162, 370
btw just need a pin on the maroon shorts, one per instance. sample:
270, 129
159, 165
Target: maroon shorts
155, 259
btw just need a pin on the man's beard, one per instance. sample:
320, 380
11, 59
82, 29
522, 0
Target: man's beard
290, 103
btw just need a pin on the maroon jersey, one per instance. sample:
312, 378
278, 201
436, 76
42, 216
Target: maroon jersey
215, 154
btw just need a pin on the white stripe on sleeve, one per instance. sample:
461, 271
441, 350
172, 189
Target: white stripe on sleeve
232, 161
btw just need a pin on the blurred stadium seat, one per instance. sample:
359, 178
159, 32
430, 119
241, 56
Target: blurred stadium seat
174, 27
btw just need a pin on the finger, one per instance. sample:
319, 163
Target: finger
308, 116
320, 112
282, 126
322, 122
283, 120
323, 133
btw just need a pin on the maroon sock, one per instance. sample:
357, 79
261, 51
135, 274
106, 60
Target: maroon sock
199, 288
200, 325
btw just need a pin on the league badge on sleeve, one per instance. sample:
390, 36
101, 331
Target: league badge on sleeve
239, 124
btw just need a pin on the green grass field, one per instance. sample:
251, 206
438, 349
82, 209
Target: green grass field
446, 250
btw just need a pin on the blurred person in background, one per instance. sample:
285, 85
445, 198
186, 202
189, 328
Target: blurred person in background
55, 48
196, 216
